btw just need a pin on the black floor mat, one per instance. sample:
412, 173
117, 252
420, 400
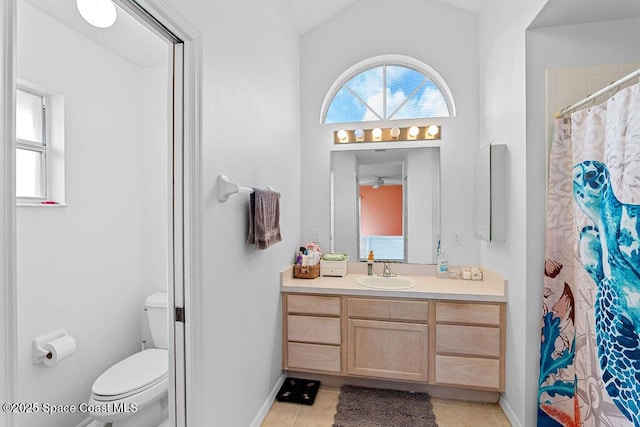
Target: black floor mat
298, 390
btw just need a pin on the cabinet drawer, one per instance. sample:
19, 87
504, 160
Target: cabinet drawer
417, 311
469, 340
313, 356
313, 304
468, 371
484, 314
323, 330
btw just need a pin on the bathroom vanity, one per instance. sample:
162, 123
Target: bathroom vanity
442, 336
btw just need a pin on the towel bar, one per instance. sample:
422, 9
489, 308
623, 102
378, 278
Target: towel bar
226, 188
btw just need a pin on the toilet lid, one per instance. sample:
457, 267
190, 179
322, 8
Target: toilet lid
136, 372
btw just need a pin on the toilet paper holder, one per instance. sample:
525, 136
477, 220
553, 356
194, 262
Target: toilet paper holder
39, 352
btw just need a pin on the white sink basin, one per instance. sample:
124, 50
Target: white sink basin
381, 282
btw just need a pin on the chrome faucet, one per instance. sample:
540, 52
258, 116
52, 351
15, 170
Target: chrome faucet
386, 270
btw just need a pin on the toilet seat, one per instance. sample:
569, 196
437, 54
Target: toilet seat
133, 375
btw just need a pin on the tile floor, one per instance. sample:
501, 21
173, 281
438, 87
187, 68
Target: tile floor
449, 413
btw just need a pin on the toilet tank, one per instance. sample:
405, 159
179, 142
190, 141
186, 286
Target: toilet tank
156, 307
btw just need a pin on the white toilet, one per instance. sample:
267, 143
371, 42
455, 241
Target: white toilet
134, 391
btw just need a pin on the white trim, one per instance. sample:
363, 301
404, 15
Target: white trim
88, 422
388, 59
54, 147
165, 13
386, 145
8, 291
266, 406
41, 205
511, 416
193, 369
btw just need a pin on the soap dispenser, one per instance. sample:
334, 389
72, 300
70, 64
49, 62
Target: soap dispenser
370, 263
443, 263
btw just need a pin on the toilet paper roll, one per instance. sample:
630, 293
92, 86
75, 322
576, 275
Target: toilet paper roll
58, 349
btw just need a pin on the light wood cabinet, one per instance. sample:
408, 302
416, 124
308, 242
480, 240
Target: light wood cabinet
313, 304
388, 338
470, 345
312, 333
413, 311
311, 329
393, 350
455, 344
313, 357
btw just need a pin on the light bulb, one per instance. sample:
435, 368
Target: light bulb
395, 132
433, 130
376, 133
99, 13
359, 134
342, 135
413, 131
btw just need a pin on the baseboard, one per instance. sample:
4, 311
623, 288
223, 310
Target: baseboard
440, 391
511, 416
262, 414
85, 423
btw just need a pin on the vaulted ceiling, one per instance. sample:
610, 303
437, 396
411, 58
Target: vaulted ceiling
307, 14
135, 43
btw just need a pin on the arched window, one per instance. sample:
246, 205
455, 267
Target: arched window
390, 87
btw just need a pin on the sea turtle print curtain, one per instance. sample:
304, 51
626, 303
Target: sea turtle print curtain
590, 342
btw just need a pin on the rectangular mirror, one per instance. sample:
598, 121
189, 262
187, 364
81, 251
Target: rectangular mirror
489, 193
482, 193
388, 201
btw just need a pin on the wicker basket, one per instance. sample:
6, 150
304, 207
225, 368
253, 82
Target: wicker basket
306, 271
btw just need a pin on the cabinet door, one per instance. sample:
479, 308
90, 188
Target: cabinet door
392, 350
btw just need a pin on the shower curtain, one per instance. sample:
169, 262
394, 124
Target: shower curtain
590, 347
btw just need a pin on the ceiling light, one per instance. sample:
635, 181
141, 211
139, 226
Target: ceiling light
99, 13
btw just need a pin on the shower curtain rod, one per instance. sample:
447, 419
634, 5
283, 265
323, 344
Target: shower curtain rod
602, 91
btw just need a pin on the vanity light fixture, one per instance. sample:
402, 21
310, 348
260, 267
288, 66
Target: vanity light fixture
99, 13
394, 134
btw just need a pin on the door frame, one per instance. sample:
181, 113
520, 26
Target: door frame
186, 337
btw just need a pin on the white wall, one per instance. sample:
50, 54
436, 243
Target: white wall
512, 98
502, 28
251, 134
559, 47
376, 27
154, 180
80, 267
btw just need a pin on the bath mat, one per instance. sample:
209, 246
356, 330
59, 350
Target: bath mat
298, 390
360, 407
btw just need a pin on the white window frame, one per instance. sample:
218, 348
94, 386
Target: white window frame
376, 61
37, 147
54, 147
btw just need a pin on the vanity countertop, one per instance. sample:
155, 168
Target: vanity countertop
492, 288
